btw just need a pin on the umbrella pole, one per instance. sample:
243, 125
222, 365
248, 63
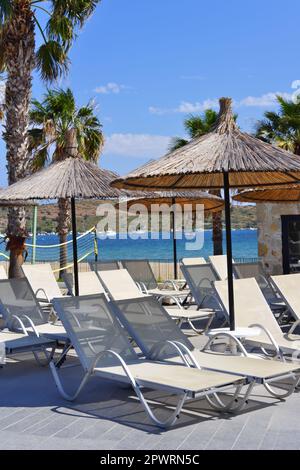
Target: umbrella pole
75, 253
174, 241
229, 251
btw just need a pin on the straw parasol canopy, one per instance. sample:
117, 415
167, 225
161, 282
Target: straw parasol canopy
202, 162
17, 203
283, 194
210, 202
223, 158
71, 178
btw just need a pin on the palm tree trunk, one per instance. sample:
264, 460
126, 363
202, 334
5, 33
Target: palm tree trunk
64, 216
19, 46
217, 232
63, 226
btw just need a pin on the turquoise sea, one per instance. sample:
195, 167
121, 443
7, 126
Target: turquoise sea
244, 247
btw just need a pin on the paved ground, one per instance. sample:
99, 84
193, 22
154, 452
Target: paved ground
34, 416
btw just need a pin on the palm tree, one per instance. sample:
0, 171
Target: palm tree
196, 126
282, 128
19, 20
60, 129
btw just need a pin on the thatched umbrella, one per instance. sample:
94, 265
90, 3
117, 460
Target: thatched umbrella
210, 202
223, 158
283, 194
71, 178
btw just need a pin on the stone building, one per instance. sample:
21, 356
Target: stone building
278, 227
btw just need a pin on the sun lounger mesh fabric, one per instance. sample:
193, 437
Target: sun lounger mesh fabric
103, 265
200, 278
17, 298
140, 271
149, 324
92, 329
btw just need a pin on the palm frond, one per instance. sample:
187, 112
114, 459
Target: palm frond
61, 29
52, 60
176, 143
5, 10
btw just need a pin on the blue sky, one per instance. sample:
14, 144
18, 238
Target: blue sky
149, 63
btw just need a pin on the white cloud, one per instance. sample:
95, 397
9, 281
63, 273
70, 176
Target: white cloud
187, 107
267, 99
110, 87
136, 145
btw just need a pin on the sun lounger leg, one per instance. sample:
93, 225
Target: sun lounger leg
168, 422
220, 405
197, 330
239, 404
285, 394
60, 387
49, 356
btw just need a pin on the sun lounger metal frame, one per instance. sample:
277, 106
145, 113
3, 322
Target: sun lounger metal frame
174, 336
137, 384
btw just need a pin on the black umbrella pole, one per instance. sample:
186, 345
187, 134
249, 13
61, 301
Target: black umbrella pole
174, 241
75, 253
229, 252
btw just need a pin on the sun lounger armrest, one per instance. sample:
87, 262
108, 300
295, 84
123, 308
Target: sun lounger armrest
16, 318
294, 326
171, 283
46, 299
142, 286
171, 297
180, 349
32, 325
110, 352
269, 335
225, 334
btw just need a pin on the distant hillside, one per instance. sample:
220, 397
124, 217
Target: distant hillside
242, 217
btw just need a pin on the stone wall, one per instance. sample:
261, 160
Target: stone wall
269, 233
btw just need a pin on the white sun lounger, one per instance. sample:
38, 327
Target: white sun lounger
252, 309
200, 278
18, 343
288, 287
141, 272
22, 312
89, 283
193, 261
104, 351
219, 265
3, 273
120, 285
42, 281
155, 334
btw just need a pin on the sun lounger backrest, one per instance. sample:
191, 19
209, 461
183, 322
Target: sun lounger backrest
119, 284
250, 305
200, 278
149, 324
288, 286
141, 271
17, 298
192, 261
41, 276
93, 328
104, 265
3, 273
219, 264
89, 283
